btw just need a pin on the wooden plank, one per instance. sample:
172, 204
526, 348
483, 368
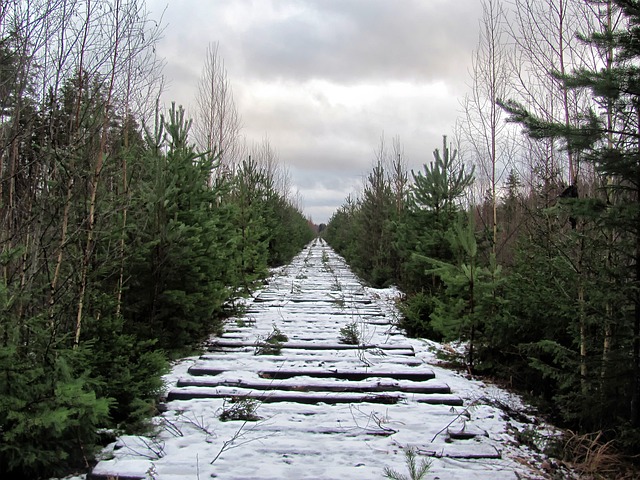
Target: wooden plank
316, 313
333, 301
466, 433
361, 374
311, 357
106, 476
343, 374
368, 353
306, 345
275, 397
356, 387
437, 400
473, 450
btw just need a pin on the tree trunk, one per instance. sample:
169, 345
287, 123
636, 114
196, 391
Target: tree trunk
59, 257
95, 181
583, 338
635, 397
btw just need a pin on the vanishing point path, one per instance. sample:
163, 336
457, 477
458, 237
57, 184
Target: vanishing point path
310, 406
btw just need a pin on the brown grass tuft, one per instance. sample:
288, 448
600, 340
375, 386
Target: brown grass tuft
595, 459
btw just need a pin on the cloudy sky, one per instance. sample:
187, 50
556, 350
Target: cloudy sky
325, 79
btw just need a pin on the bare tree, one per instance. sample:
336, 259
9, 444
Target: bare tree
217, 123
547, 47
95, 54
483, 125
399, 175
276, 173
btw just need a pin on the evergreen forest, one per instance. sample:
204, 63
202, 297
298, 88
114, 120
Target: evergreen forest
130, 230
123, 242
521, 237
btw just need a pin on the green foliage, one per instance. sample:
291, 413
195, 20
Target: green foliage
249, 196
587, 346
49, 412
542, 352
471, 295
376, 210
290, 231
433, 207
272, 343
172, 245
342, 230
239, 408
415, 472
362, 230
173, 286
128, 371
442, 184
266, 229
350, 334
416, 313
120, 246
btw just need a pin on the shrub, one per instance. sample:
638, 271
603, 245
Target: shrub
240, 408
272, 344
49, 413
350, 334
415, 472
416, 316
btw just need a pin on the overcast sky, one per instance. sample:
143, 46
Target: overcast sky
325, 79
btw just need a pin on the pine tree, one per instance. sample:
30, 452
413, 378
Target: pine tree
174, 293
341, 230
608, 137
442, 184
249, 197
374, 242
433, 205
469, 299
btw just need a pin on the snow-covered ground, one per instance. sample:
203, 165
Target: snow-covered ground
324, 409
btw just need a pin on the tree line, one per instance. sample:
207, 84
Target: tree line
122, 243
523, 239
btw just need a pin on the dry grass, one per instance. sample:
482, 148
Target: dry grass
596, 459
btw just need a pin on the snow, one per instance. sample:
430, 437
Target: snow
336, 428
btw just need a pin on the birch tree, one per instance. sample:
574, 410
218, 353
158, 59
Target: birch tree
71, 63
217, 123
483, 124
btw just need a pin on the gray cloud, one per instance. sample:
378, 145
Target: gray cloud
321, 189
351, 40
339, 40
323, 79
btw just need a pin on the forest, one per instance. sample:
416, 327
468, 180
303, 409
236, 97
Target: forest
127, 232
521, 238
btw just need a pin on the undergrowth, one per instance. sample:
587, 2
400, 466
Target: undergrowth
415, 472
240, 408
350, 334
272, 344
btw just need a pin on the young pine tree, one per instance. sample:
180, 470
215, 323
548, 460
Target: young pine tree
608, 139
